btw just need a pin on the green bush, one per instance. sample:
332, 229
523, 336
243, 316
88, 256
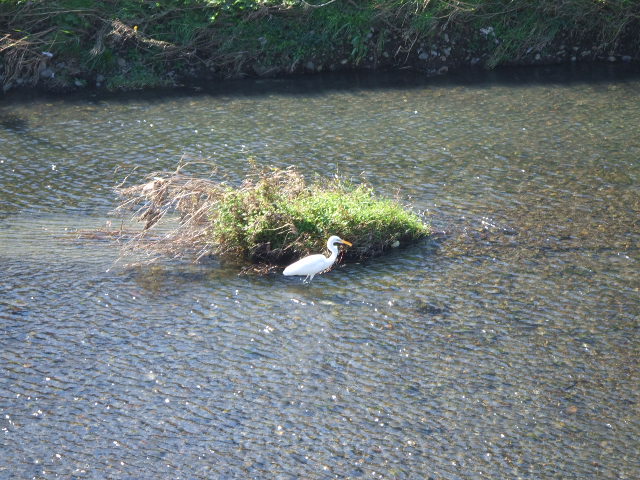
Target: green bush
279, 217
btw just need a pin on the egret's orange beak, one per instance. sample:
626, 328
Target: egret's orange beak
347, 243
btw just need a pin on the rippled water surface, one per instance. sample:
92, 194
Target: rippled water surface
506, 348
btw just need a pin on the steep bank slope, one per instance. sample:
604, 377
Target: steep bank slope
127, 44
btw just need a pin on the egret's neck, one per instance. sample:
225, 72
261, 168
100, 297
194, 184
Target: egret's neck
334, 252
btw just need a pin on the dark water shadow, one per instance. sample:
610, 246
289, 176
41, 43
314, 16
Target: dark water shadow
353, 81
20, 126
13, 123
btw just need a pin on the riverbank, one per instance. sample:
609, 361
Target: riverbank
127, 44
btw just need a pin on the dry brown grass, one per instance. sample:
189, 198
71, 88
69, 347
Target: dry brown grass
23, 57
158, 201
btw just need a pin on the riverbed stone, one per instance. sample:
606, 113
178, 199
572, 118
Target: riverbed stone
47, 73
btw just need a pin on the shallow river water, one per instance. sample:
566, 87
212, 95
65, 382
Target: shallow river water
507, 347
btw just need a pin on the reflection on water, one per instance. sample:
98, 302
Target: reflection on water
506, 348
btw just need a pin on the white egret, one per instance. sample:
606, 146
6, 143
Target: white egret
317, 263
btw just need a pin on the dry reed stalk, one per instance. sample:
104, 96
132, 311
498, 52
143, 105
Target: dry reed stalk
23, 57
161, 196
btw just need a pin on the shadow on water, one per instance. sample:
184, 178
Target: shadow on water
13, 123
318, 84
20, 126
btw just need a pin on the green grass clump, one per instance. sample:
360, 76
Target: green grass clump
279, 217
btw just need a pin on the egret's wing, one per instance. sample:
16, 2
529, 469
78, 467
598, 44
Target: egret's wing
308, 265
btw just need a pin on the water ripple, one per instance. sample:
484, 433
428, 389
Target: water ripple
503, 348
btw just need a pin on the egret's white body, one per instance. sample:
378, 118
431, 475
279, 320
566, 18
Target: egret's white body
317, 263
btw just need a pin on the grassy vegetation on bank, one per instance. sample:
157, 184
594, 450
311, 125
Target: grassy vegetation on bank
275, 216
136, 43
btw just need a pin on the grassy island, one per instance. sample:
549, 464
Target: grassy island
126, 44
273, 217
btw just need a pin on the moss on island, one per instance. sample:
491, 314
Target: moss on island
273, 217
